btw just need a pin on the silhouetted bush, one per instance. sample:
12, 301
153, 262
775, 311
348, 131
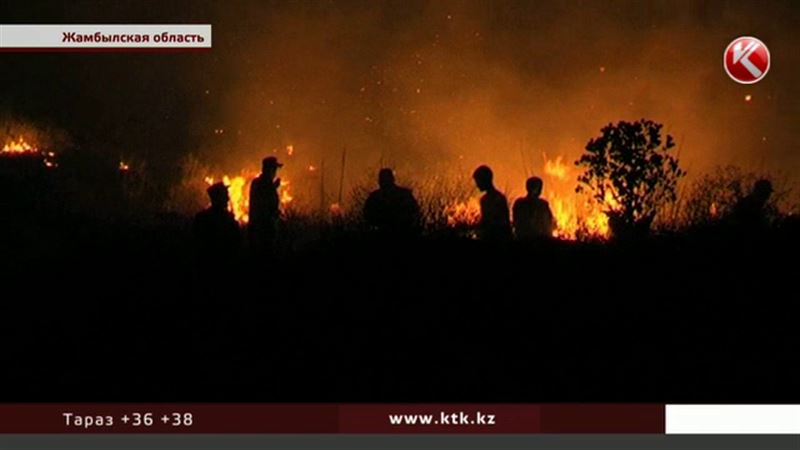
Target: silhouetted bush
713, 196
631, 173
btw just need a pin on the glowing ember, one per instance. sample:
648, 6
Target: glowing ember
124, 167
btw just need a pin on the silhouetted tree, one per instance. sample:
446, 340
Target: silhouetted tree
630, 172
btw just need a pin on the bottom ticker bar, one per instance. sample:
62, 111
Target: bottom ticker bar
332, 418
398, 442
349, 418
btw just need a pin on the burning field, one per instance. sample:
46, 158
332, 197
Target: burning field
674, 192
21, 148
449, 200
18, 147
530, 322
576, 215
430, 89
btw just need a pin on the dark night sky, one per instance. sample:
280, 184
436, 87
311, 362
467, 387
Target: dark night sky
415, 82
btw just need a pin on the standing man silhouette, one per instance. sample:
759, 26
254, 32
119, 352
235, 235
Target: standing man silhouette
392, 210
495, 224
264, 206
215, 229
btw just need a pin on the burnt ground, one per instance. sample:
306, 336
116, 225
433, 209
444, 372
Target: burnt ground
96, 310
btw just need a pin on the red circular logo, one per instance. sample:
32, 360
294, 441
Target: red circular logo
746, 60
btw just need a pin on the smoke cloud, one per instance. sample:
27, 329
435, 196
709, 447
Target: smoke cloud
423, 86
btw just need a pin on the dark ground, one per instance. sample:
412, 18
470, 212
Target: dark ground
101, 311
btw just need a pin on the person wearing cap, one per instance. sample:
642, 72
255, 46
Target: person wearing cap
495, 224
264, 206
392, 210
532, 216
215, 229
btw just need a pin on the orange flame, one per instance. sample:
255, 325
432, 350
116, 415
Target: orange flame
466, 213
555, 168
575, 215
19, 146
285, 194
22, 147
239, 192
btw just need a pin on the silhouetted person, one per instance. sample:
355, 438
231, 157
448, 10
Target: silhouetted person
391, 209
495, 224
532, 216
215, 229
750, 213
264, 206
